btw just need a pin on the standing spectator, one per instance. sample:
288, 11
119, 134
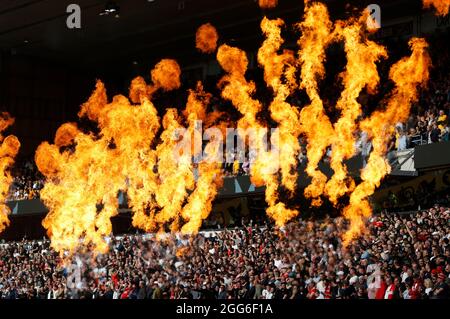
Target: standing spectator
434, 133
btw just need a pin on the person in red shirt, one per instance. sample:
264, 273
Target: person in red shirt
416, 289
381, 291
126, 293
115, 279
312, 291
327, 294
391, 289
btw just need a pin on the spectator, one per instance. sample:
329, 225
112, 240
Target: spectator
435, 133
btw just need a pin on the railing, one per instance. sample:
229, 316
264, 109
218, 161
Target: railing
418, 140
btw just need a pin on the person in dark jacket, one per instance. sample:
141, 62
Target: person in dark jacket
222, 293
142, 291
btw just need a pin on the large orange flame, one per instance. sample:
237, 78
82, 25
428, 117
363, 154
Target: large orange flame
165, 76
157, 179
275, 67
239, 91
209, 179
407, 74
267, 4
315, 124
151, 160
176, 170
441, 6
9, 147
279, 74
199, 202
86, 171
361, 72
206, 38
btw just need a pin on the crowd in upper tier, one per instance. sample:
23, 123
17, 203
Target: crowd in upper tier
27, 181
397, 257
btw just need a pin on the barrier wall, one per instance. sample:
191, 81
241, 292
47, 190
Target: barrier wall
232, 187
426, 157
432, 156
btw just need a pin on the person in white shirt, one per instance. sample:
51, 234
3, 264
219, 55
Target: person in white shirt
364, 146
373, 282
267, 293
402, 142
116, 294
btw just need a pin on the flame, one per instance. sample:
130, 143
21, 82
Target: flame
408, 74
165, 76
360, 72
239, 91
267, 4
174, 171
276, 68
206, 38
209, 180
441, 6
287, 116
86, 171
315, 124
199, 203
9, 148
150, 159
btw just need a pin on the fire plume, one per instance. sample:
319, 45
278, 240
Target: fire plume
315, 124
360, 72
206, 38
165, 76
239, 91
86, 171
279, 74
9, 147
175, 167
267, 4
199, 203
441, 6
174, 172
276, 66
209, 179
134, 151
408, 74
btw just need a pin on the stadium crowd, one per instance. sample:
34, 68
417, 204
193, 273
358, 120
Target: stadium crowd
27, 181
399, 256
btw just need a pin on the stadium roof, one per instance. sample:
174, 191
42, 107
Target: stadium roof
145, 29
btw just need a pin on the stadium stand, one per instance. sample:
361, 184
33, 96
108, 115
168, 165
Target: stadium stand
403, 256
